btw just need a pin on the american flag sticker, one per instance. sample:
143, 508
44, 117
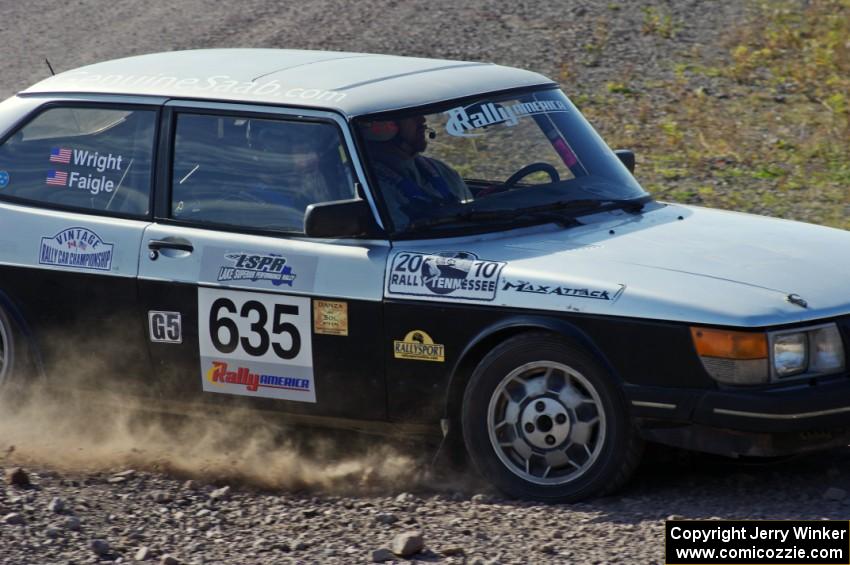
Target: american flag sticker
60, 155
58, 178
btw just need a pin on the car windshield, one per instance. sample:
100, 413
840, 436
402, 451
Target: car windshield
494, 161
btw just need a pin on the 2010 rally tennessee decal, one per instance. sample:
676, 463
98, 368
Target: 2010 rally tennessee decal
459, 275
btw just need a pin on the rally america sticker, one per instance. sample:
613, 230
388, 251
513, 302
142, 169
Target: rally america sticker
462, 120
76, 247
451, 275
255, 344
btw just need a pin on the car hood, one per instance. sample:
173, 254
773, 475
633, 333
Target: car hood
671, 262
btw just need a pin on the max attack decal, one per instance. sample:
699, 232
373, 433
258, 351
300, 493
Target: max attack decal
260, 269
76, 247
418, 345
330, 317
464, 119
594, 293
451, 275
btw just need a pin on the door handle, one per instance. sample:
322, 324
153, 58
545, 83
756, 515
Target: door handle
155, 245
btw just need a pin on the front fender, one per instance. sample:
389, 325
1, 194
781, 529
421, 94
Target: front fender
499, 331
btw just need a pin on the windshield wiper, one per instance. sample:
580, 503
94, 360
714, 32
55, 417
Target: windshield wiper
562, 212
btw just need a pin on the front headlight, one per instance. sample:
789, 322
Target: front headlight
807, 352
790, 354
826, 350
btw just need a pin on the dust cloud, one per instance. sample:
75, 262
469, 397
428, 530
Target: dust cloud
80, 431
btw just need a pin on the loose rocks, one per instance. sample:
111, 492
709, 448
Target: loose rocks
13, 519
408, 543
381, 555
99, 546
56, 505
218, 494
16, 476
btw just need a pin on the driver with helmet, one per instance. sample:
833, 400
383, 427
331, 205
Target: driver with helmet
411, 183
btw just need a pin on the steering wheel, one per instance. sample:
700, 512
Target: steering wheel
530, 169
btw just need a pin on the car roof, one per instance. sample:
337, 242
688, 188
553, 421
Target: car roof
351, 83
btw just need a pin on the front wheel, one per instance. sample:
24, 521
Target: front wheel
542, 420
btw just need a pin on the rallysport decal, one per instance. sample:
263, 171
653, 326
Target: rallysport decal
451, 275
257, 268
76, 247
254, 344
462, 119
418, 346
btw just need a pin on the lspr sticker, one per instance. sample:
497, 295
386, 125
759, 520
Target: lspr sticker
452, 275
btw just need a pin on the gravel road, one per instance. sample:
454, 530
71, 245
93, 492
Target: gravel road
78, 503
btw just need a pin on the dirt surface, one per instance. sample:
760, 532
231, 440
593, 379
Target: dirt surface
89, 501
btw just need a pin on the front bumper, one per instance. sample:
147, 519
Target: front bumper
768, 422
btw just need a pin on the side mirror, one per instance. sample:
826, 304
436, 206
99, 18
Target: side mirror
627, 157
341, 218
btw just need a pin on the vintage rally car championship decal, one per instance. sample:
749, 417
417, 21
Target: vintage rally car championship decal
254, 344
330, 317
261, 269
448, 275
76, 247
418, 346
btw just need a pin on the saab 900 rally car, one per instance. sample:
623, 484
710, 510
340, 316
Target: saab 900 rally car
431, 245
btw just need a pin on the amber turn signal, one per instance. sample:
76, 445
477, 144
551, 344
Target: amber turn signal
728, 344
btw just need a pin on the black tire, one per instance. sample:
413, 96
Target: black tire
13, 356
551, 421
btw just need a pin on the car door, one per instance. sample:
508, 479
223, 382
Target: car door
74, 202
242, 308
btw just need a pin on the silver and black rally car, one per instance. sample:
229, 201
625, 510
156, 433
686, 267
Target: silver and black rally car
423, 244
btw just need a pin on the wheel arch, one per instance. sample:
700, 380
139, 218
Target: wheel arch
496, 333
14, 312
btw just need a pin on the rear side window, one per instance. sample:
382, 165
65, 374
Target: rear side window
256, 173
95, 159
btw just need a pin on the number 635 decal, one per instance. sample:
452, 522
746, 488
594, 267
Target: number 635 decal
268, 328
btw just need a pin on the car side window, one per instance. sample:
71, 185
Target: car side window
88, 158
256, 173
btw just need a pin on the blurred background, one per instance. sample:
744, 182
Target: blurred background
743, 105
